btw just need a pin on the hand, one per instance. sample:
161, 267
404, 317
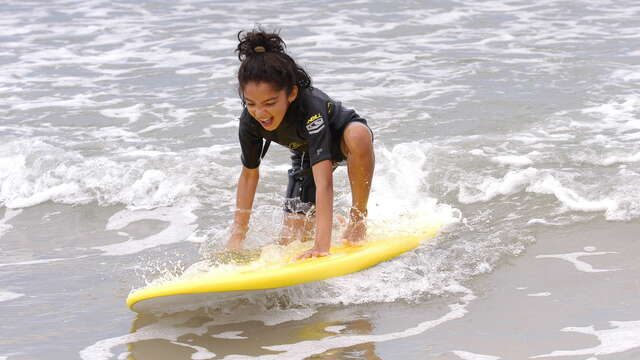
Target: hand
313, 252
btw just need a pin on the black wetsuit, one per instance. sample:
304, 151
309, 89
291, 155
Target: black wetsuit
312, 128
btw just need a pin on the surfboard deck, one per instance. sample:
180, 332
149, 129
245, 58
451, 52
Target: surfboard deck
266, 273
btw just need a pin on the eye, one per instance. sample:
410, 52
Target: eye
271, 103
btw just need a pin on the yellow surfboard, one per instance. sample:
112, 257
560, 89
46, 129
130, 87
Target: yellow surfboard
275, 268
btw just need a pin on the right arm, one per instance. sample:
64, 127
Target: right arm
247, 184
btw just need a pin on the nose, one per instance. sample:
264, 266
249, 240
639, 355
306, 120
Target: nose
261, 113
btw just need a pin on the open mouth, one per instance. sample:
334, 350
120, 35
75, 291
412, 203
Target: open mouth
266, 122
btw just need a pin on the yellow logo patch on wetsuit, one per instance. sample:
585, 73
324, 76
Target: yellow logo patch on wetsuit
315, 124
314, 117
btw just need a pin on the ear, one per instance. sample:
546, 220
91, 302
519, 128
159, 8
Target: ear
293, 95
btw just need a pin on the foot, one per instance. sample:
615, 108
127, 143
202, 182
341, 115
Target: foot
312, 253
355, 233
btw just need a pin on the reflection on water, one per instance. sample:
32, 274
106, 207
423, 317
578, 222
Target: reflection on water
202, 334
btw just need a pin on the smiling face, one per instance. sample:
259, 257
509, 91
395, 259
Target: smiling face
267, 105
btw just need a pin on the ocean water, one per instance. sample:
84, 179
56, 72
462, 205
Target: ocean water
517, 123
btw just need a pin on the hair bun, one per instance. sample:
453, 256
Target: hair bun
258, 41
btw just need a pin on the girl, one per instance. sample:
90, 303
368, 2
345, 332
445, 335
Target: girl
280, 105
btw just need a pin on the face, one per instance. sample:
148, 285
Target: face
267, 105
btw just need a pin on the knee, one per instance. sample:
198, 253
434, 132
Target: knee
358, 140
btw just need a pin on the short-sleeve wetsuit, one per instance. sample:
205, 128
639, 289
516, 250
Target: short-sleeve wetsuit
312, 129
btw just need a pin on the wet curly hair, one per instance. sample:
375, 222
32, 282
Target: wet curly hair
264, 59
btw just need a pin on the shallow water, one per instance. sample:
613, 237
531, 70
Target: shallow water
515, 122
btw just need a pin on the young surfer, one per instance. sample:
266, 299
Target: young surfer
281, 106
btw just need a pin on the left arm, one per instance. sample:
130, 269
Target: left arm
323, 177
318, 133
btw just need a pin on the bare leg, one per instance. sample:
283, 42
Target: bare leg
357, 145
296, 227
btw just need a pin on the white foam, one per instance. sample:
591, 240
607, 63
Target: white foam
569, 198
539, 221
8, 215
189, 71
8, 296
229, 124
33, 172
447, 17
619, 115
230, 335
180, 219
623, 336
465, 355
512, 160
620, 159
47, 217
534, 181
154, 187
490, 187
627, 75
132, 113
47, 194
335, 329
579, 264
541, 294
400, 185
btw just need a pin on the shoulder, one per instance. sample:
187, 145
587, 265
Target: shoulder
313, 97
246, 120
314, 104
245, 117
247, 125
